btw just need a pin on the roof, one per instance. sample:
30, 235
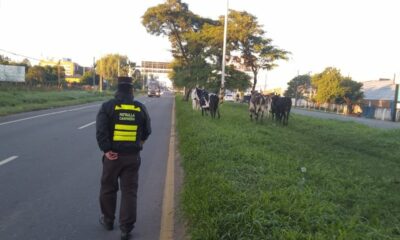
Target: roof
379, 90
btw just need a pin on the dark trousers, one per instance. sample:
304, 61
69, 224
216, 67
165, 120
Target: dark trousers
126, 169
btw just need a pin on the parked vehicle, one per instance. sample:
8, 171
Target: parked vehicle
229, 98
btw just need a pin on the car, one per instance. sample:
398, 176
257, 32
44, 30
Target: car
229, 98
153, 93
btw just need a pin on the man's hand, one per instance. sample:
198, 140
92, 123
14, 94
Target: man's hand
142, 143
110, 155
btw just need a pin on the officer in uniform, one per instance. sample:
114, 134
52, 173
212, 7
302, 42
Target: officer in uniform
122, 127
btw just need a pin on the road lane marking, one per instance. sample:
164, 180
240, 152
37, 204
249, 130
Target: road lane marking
8, 160
87, 125
167, 215
48, 114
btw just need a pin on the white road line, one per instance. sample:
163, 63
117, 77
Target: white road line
8, 160
48, 114
86, 125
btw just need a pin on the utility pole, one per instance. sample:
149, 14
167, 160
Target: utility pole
396, 102
118, 67
58, 74
224, 51
94, 71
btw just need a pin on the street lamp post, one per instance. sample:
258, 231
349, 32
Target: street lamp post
224, 50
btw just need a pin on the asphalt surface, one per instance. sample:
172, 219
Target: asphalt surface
369, 122
50, 185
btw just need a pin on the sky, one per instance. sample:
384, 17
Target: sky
361, 38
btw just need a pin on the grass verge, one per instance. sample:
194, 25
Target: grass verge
315, 179
14, 101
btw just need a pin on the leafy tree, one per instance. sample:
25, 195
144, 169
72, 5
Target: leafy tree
297, 87
35, 75
333, 87
197, 44
87, 78
328, 85
352, 93
137, 79
109, 66
236, 79
46, 74
26, 62
174, 20
256, 50
4, 60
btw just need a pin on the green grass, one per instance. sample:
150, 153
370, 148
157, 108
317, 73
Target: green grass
243, 179
19, 100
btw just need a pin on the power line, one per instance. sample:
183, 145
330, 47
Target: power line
19, 55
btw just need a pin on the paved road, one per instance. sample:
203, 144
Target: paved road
50, 191
369, 122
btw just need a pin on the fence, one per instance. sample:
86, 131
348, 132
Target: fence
372, 112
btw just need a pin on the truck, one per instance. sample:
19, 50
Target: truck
153, 90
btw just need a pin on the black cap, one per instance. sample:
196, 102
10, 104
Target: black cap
125, 81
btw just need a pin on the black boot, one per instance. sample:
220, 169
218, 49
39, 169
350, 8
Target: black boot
125, 235
108, 225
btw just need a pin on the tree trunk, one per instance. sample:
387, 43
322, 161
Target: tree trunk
255, 72
187, 94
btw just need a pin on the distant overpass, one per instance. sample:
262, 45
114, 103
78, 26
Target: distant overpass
159, 70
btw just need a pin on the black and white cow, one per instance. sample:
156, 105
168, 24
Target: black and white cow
204, 102
195, 99
257, 105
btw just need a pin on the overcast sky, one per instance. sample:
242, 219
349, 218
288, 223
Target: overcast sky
361, 38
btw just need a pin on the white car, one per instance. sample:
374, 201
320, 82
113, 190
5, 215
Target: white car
229, 98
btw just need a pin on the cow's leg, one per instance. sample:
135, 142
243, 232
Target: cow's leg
287, 118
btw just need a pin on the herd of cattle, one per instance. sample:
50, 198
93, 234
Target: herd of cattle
270, 106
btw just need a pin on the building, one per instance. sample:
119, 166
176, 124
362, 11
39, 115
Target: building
73, 71
379, 99
379, 93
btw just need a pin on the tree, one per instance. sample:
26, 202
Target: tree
46, 74
36, 75
297, 87
174, 20
328, 85
352, 93
255, 49
87, 78
236, 79
110, 65
4, 60
197, 44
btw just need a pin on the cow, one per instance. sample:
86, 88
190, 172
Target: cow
213, 105
195, 99
268, 102
257, 106
204, 101
280, 109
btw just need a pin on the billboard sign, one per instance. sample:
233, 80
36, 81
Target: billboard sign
9, 73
